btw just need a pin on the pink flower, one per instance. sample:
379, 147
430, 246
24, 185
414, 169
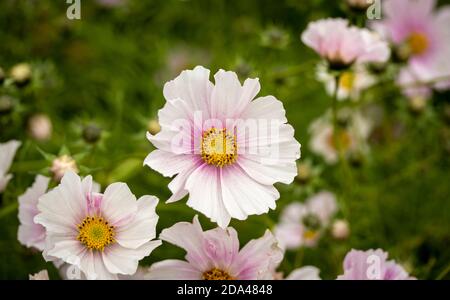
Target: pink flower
7, 152
302, 224
371, 265
226, 149
101, 234
31, 234
415, 28
342, 45
215, 255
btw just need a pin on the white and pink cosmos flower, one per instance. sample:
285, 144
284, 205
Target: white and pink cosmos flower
101, 234
226, 148
343, 45
372, 265
421, 35
31, 234
214, 255
7, 152
303, 224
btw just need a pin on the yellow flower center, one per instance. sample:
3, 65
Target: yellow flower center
418, 43
309, 235
219, 147
95, 233
342, 140
347, 80
217, 274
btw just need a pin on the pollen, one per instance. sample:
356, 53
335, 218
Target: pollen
219, 147
95, 233
418, 43
217, 274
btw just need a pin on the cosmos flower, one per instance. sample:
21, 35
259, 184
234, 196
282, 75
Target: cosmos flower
31, 234
422, 40
215, 255
226, 149
41, 275
372, 265
302, 224
304, 273
7, 152
102, 234
351, 83
342, 45
352, 135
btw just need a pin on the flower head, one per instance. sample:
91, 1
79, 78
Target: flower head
101, 234
215, 255
31, 234
226, 149
371, 264
61, 165
303, 224
7, 152
40, 127
342, 45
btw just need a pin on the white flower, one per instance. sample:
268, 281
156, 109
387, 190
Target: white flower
215, 255
102, 234
351, 83
7, 152
302, 224
226, 148
352, 138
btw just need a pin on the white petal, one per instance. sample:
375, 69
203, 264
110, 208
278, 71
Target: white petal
7, 152
118, 204
188, 236
142, 228
167, 163
267, 108
205, 194
172, 269
305, 273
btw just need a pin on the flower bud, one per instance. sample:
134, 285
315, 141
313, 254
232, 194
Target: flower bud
358, 5
40, 127
92, 133
21, 74
153, 127
62, 164
6, 104
304, 172
340, 229
417, 104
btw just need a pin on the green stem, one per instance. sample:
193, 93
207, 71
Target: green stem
8, 209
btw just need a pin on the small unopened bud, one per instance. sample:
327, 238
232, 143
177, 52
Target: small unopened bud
91, 133
304, 172
40, 127
6, 105
21, 74
153, 126
340, 229
417, 104
358, 5
61, 165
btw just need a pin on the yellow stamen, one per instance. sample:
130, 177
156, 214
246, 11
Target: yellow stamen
219, 147
418, 43
343, 140
309, 235
347, 81
95, 233
217, 274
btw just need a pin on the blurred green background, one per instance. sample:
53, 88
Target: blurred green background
108, 70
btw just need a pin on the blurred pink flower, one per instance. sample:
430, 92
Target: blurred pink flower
102, 234
215, 255
372, 265
342, 45
7, 153
422, 32
227, 168
31, 234
302, 224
